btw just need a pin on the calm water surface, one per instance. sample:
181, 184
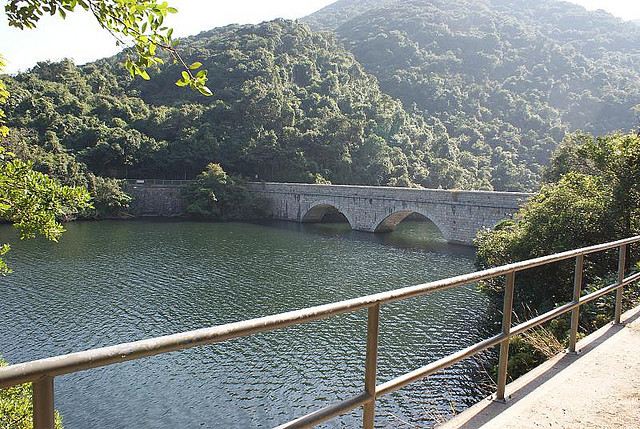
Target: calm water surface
112, 282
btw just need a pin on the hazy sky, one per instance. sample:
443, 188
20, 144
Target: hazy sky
80, 38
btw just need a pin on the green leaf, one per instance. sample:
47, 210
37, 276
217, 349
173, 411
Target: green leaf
128, 64
205, 91
196, 65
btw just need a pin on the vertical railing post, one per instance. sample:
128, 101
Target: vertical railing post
622, 261
371, 366
506, 330
575, 313
43, 414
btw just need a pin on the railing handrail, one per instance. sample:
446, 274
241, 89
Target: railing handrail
396, 188
158, 181
45, 369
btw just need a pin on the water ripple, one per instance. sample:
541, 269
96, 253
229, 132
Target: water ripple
111, 282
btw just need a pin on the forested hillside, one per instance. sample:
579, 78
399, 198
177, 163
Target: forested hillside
434, 93
289, 105
508, 78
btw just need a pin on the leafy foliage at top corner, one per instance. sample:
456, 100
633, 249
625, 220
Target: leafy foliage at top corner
4, 95
137, 24
34, 202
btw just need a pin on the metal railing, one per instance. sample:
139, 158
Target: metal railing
42, 372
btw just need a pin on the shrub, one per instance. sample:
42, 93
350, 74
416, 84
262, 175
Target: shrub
215, 195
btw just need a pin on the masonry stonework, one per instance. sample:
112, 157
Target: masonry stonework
150, 199
458, 214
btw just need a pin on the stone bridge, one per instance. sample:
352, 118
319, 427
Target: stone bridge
458, 214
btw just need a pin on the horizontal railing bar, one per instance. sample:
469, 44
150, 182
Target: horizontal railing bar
449, 360
558, 311
79, 361
600, 292
557, 257
326, 413
539, 320
435, 366
73, 362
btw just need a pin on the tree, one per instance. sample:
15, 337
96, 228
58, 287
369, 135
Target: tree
572, 213
592, 195
217, 196
616, 159
33, 202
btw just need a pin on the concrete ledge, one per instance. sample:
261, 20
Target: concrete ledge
516, 412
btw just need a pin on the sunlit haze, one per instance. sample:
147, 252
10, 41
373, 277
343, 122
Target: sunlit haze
78, 37
625, 9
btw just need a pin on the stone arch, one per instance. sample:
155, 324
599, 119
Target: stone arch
319, 209
390, 222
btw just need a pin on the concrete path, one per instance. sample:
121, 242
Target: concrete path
597, 388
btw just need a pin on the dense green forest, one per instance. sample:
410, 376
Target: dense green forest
452, 94
507, 78
289, 105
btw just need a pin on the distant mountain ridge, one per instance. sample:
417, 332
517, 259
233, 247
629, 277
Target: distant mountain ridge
505, 77
336, 14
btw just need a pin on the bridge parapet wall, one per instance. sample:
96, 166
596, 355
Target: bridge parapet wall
152, 198
488, 198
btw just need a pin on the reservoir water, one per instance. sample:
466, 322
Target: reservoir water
110, 282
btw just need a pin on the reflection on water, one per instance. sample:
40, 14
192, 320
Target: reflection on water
416, 232
112, 282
